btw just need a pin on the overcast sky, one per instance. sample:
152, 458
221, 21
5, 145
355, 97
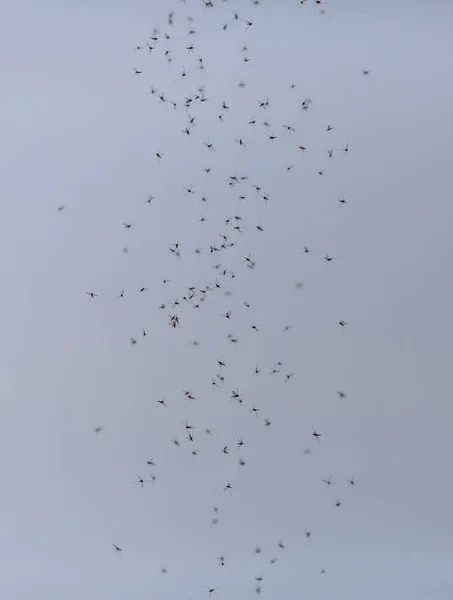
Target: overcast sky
80, 130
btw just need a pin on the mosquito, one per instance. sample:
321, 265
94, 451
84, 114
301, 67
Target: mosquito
183, 75
289, 128
248, 260
92, 296
140, 481
254, 410
316, 435
329, 259
305, 105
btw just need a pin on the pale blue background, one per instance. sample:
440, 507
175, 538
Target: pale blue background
78, 129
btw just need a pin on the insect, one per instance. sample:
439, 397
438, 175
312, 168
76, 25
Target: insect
182, 76
92, 296
289, 128
329, 259
254, 410
140, 481
316, 435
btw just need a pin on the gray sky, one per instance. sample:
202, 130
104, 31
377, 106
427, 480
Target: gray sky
79, 129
